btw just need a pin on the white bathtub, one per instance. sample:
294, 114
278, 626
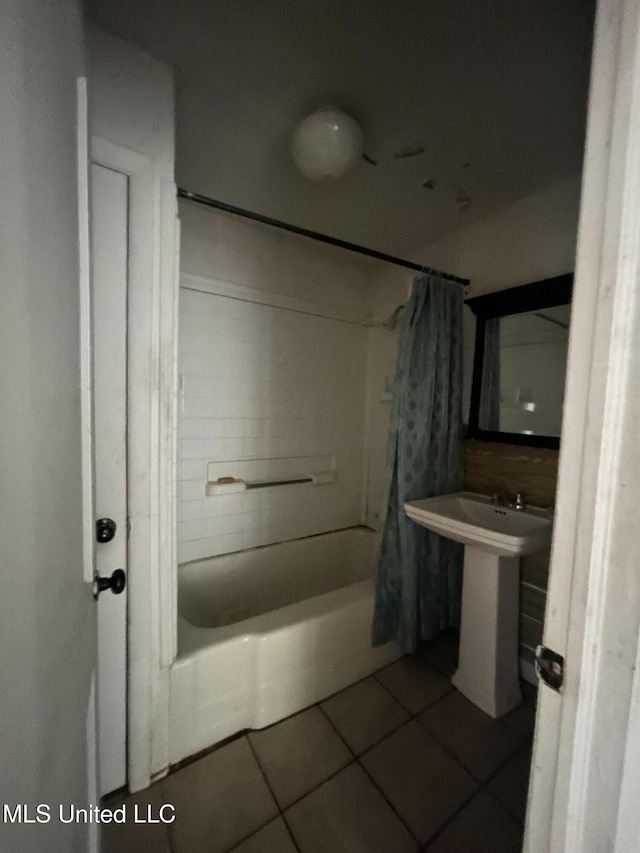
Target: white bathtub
267, 632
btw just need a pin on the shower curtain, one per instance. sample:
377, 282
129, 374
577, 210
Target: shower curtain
419, 577
489, 414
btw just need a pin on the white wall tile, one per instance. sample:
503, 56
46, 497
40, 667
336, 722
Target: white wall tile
192, 428
192, 469
212, 448
193, 407
191, 448
188, 551
234, 428
252, 447
260, 382
214, 428
188, 530
190, 510
190, 490
233, 448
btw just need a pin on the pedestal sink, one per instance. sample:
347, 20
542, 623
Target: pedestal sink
495, 537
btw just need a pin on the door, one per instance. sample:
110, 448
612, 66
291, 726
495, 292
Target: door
47, 623
584, 785
109, 277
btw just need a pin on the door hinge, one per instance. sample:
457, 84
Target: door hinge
128, 527
550, 667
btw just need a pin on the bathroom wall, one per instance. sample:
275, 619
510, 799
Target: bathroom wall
273, 364
134, 116
47, 617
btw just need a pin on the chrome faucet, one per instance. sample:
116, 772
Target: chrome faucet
518, 503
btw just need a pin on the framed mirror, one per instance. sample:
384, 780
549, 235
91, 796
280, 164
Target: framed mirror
520, 362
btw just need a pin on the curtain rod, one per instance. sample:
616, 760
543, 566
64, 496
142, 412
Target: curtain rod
314, 235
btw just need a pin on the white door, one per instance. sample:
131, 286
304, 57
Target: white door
585, 781
109, 276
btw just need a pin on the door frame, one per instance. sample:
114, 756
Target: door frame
151, 440
581, 797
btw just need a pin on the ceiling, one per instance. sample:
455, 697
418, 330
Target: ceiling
491, 94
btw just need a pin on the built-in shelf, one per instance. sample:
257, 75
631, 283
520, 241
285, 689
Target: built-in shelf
266, 473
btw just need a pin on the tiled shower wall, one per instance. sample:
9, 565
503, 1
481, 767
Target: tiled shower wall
259, 381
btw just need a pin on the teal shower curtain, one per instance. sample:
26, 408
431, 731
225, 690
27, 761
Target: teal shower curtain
489, 414
419, 578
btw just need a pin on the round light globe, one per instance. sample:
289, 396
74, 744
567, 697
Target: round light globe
326, 144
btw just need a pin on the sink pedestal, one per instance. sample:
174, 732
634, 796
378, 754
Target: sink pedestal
488, 670
494, 537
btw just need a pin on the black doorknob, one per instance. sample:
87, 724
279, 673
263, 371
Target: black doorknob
116, 583
105, 529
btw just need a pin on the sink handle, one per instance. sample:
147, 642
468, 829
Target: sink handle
520, 502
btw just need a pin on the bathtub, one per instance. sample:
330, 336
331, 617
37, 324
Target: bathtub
267, 632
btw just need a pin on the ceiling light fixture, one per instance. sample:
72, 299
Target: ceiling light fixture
326, 144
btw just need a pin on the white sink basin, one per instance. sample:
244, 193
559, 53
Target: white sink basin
474, 520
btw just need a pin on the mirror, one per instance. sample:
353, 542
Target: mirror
520, 363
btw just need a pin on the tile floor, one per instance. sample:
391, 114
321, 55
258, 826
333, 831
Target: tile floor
398, 762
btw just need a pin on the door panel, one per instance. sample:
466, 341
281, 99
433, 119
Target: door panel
109, 236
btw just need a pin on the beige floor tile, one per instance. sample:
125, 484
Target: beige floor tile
511, 783
272, 838
422, 782
481, 827
219, 800
348, 815
364, 713
130, 837
478, 741
413, 682
299, 753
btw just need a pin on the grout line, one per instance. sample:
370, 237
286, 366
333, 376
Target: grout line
331, 723
264, 775
428, 706
483, 787
502, 805
289, 830
251, 834
503, 764
463, 806
452, 817
271, 791
373, 782
380, 739
390, 804
481, 783
319, 785
414, 718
